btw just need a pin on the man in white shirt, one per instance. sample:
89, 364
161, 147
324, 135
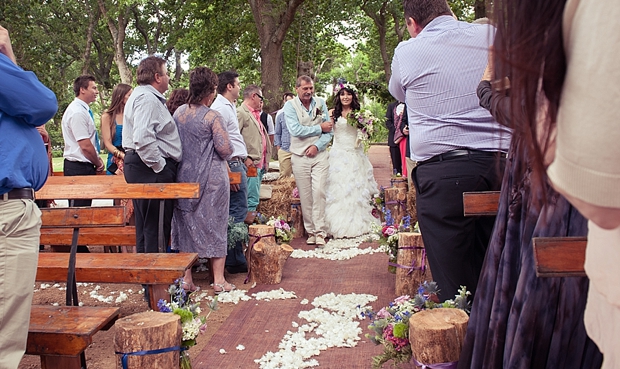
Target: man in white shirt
80, 135
228, 90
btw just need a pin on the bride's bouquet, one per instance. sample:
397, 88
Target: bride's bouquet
364, 121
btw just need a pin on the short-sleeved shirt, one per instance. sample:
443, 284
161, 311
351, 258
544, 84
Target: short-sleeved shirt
77, 125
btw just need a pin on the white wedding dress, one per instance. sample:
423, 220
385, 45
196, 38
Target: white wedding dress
350, 185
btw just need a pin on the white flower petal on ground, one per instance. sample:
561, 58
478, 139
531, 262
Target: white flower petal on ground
222, 351
233, 296
340, 249
240, 347
279, 294
331, 324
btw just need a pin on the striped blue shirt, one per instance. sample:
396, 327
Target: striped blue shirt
437, 74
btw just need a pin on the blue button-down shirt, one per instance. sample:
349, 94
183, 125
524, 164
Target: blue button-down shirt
436, 74
25, 103
298, 130
282, 137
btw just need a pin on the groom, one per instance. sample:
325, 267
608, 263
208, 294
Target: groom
308, 122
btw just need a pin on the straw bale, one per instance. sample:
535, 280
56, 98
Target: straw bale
280, 202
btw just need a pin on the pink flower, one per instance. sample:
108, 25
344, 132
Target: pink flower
402, 299
383, 313
389, 231
398, 343
295, 193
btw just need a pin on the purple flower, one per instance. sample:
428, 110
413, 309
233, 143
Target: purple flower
163, 306
383, 313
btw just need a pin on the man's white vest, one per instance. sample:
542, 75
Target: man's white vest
300, 144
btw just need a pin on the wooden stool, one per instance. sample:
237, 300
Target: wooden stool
437, 335
148, 331
265, 257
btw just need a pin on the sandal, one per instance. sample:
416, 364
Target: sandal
189, 287
223, 287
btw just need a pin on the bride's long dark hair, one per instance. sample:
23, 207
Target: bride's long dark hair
355, 104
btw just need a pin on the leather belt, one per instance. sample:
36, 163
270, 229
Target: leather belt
130, 151
19, 193
461, 152
237, 158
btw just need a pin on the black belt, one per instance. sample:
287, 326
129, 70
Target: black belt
18, 193
237, 158
130, 151
462, 152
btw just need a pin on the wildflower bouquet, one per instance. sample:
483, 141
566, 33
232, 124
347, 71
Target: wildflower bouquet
388, 235
191, 322
237, 232
390, 325
364, 121
284, 232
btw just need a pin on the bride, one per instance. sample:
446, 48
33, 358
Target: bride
350, 182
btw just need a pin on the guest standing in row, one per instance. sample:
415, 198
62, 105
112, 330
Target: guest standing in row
228, 90
282, 140
25, 103
80, 135
112, 128
152, 149
200, 225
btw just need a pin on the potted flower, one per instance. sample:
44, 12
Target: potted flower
390, 325
192, 323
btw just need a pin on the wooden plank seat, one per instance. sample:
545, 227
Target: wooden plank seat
559, 256
480, 203
61, 334
157, 271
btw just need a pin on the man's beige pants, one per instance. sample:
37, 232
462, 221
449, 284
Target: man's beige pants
20, 223
311, 178
284, 158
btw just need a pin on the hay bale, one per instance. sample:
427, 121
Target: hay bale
280, 202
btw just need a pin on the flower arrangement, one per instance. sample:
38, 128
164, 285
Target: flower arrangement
349, 86
237, 232
295, 193
378, 203
191, 322
284, 232
390, 325
364, 121
388, 235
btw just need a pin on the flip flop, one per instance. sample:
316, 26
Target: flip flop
189, 287
223, 287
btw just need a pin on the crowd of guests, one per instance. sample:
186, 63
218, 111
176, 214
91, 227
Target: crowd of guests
522, 119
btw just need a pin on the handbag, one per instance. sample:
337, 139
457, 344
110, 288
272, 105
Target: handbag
398, 132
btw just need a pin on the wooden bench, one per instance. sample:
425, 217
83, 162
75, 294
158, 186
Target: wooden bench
553, 256
61, 334
559, 256
60, 238
480, 203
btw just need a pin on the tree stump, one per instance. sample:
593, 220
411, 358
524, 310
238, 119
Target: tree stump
399, 182
396, 203
265, 257
297, 218
146, 331
437, 335
413, 266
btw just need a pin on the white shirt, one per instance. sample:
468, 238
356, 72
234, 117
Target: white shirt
77, 125
229, 113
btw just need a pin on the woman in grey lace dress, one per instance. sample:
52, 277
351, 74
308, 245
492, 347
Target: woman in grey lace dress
200, 225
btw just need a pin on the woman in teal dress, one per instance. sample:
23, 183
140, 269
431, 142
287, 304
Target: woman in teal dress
112, 128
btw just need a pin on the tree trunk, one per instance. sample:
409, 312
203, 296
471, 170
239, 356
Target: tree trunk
265, 257
396, 203
146, 331
437, 335
272, 21
89, 40
118, 36
413, 264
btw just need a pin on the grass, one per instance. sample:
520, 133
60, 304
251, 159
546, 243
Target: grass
57, 163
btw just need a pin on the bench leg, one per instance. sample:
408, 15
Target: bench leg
157, 292
60, 362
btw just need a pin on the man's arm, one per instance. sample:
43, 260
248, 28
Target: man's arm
395, 87
293, 125
147, 118
90, 153
326, 137
277, 141
21, 93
